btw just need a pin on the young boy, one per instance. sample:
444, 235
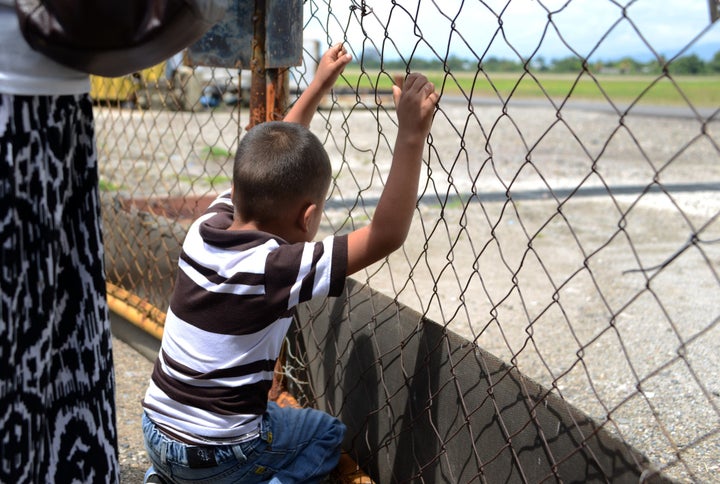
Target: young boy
245, 265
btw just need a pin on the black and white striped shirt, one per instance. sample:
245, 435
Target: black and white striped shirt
233, 302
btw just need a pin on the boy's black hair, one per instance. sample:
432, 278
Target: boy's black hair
277, 165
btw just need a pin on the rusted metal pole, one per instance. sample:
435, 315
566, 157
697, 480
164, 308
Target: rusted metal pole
277, 93
268, 87
258, 103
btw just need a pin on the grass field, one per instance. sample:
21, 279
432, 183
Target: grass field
700, 91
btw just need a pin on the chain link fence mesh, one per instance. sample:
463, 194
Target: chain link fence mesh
577, 241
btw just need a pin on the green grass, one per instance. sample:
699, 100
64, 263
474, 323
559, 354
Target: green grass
108, 186
701, 91
213, 181
215, 152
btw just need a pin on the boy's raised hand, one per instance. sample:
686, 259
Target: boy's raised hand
415, 104
331, 65
329, 68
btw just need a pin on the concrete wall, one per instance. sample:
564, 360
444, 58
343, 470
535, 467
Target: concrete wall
423, 405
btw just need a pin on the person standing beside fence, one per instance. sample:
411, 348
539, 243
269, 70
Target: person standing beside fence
57, 407
245, 266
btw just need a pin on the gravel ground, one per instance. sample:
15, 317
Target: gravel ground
132, 372
610, 294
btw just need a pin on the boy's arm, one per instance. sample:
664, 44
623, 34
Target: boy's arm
331, 65
389, 227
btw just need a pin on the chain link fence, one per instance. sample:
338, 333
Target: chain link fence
572, 232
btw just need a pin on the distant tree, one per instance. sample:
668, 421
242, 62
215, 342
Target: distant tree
420, 64
394, 64
714, 65
539, 63
567, 64
628, 65
655, 66
690, 64
494, 64
597, 66
455, 63
687, 65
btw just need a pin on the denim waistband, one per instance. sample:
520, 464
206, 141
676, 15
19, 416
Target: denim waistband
198, 456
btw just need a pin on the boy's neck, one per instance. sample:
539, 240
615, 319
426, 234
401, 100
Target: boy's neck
240, 225
252, 225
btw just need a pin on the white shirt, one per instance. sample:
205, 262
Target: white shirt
232, 305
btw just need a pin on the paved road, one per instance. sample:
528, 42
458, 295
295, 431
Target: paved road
685, 112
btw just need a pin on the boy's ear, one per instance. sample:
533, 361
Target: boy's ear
305, 216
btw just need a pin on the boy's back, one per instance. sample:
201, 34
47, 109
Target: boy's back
233, 303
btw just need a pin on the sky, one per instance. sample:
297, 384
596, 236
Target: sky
596, 29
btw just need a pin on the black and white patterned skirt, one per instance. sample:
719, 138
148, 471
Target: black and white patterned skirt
57, 407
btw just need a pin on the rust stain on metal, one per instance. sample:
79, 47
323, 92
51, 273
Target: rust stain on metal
257, 64
276, 93
270, 94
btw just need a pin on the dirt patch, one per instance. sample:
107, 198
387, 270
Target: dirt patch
181, 210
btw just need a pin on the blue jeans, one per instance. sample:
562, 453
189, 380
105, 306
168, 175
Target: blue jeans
295, 445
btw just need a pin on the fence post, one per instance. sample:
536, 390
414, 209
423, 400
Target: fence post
268, 87
276, 93
257, 67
